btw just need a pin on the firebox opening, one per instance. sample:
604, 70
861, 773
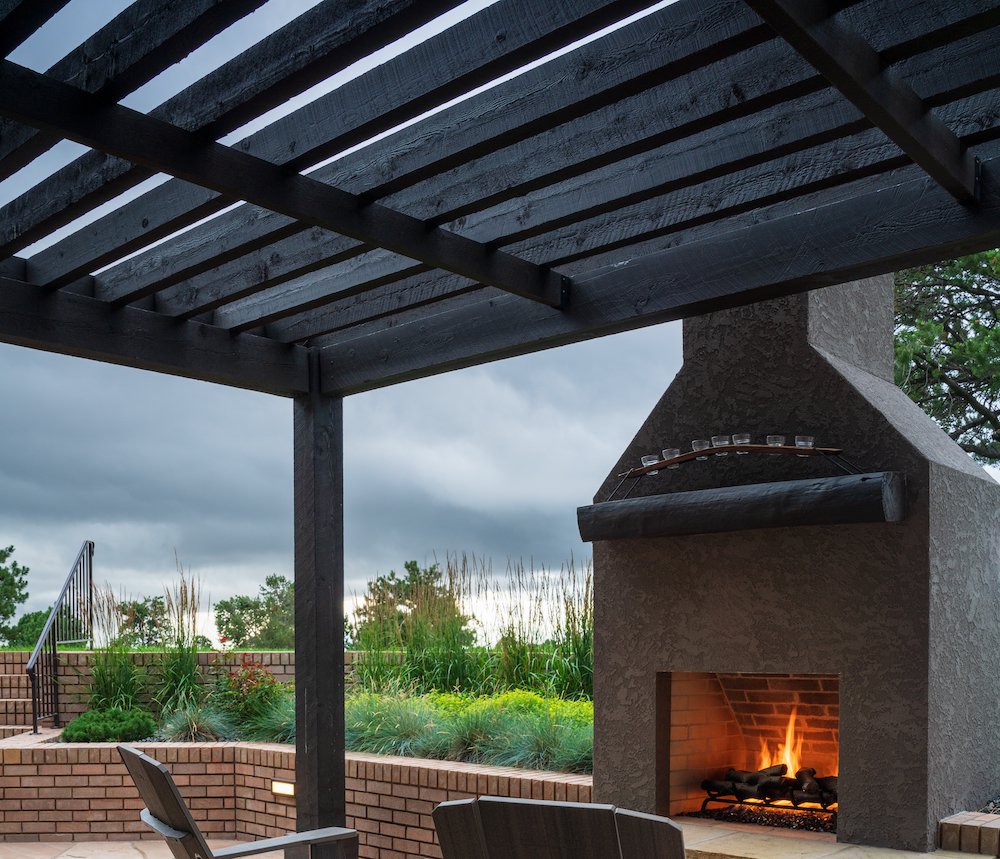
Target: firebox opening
718, 730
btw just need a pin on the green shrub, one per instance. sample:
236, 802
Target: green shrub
247, 691
113, 725
578, 712
116, 680
575, 750
198, 724
179, 686
387, 725
275, 723
516, 729
417, 632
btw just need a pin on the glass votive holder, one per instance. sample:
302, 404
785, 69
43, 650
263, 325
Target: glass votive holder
805, 441
650, 459
721, 441
701, 444
672, 453
775, 441
741, 438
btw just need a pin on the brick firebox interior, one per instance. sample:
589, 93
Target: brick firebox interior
709, 722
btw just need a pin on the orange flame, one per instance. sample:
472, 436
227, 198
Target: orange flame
788, 753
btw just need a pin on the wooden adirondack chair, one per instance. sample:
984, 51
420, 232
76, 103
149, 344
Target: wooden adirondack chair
493, 827
167, 814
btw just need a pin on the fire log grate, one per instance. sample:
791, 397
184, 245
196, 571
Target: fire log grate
771, 787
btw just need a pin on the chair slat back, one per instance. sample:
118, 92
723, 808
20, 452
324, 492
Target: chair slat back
646, 836
164, 802
459, 829
535, 829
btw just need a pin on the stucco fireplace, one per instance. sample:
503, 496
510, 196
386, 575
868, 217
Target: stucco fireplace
885, 628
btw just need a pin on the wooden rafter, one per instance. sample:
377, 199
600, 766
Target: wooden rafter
162, 32
911, 223
687, 137
856, 70
310, 48
85, 327
20, 18
452, 62
32, 98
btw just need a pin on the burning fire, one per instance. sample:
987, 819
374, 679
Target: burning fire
788, 753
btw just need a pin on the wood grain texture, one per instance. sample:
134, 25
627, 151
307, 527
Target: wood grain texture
20, 18
315, 45
527, 829
661, 47
473, 52
753, 134
647, 836
146, 38
876, 497
855, 68
160, 146
86, 328
910, 223
748, 164
459, 829
397, 299
319, 610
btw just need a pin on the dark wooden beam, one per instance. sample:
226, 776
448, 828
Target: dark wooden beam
398, 297
471, 53
910, 223
33, 98
673, 136
635, 124
19, 19
282, 260
856, 70
86, 328
355, 276
146, 38
318, 43
661, 47
319, 610
848, 499
600, 210
820, 169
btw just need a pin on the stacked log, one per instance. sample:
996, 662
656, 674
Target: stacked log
772, 784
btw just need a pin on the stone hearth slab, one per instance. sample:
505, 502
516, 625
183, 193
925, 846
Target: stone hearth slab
711, 840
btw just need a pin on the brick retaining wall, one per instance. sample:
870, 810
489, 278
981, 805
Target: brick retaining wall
64, 792
75, 671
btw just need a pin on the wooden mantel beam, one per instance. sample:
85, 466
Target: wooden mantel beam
853, 67
48, 104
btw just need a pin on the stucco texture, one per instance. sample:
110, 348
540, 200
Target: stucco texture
904, 613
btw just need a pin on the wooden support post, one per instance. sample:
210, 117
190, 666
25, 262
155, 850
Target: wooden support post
319, 611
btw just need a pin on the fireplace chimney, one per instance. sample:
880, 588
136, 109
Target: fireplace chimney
904, 614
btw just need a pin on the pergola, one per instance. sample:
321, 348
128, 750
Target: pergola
708, 154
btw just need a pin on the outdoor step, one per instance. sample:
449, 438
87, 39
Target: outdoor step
15, 711
7, 731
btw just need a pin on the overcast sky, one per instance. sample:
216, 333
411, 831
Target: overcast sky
498, 457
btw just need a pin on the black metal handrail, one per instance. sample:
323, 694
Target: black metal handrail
71, 621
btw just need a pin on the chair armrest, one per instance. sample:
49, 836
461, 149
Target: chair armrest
316, 836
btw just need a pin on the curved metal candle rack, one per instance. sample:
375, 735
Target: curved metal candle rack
834, 454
